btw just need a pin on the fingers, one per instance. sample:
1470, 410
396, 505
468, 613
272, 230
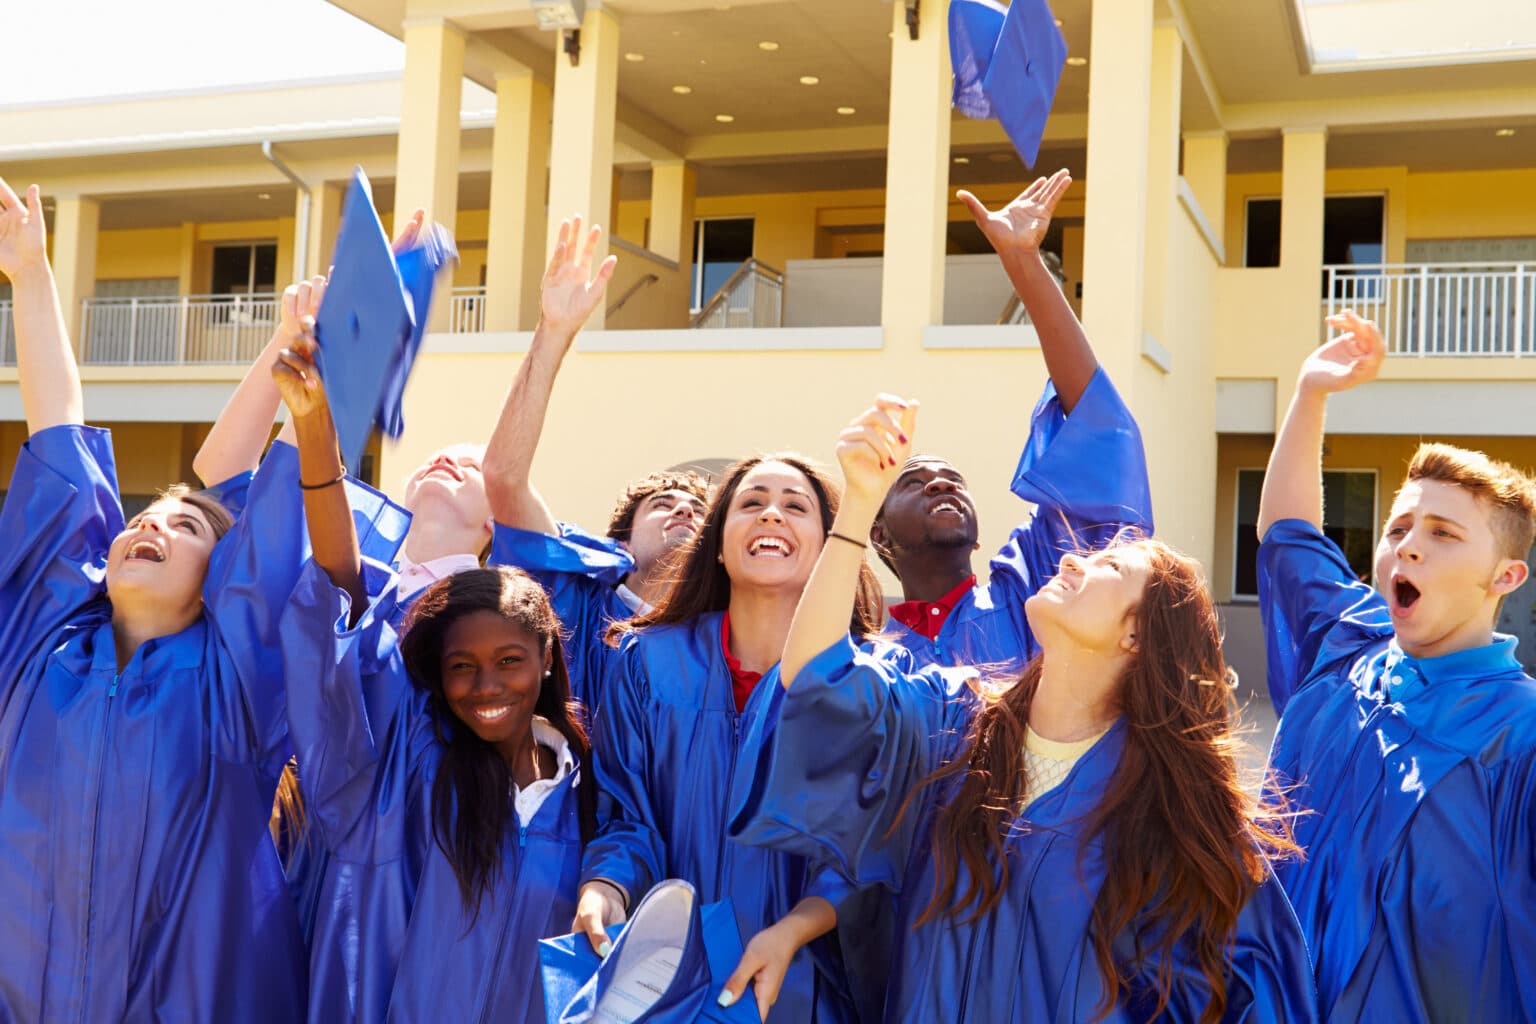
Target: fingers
305, 344
301, 299
290, 304
587, 251
8, 197
605, 272
1056, 188
317, 286
35, 202
557, 258
570, 249
736, 984
408, 234
592, 926
978, 211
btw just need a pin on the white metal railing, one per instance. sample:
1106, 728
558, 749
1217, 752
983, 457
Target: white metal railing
7, 335
1441, 309
176, 329
466, 310
752, 297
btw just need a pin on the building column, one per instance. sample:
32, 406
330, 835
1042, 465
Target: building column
1205, 169
325, 199
674, 191
1304, 169
581, 146
1162, 174
515, 255
916, 176
427, 157
1115, 215
76, 222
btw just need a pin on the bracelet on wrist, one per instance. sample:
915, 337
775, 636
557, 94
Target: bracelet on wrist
833, 534
329, 483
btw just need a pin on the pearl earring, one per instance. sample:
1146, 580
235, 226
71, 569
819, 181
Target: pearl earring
546, 673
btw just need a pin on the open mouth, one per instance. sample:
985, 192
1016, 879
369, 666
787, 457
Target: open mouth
769, 547
493, 714
144, 551
1404, 593
946, 506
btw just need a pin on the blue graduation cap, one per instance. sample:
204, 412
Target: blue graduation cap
1007, 63
372, 318
668, 965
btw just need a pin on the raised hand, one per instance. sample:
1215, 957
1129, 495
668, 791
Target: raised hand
1352, 358
873, 447
23, 238
569, 293
297, 378
1020, 226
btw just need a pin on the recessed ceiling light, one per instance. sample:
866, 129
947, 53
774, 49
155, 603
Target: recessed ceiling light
768, 44
682, 90
634, 58
845, 111
962, 159
1077, 62
263, 195
1001, 158
725, 118
1504, 133
809, 80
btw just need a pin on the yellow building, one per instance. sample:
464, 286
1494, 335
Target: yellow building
778, 176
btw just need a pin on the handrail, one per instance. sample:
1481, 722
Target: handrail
615, 242
753, 268
629, 293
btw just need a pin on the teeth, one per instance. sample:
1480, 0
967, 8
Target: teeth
769, 544
493, 714
947, 506
145, 549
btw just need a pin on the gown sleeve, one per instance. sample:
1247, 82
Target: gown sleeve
841, 751
628, 850
357, 758
1087, 475
1316, 611
59, 518
1515, 864
251, 576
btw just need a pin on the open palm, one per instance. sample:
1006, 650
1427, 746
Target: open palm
23, 239
1352, 358
569, 293
1021, 225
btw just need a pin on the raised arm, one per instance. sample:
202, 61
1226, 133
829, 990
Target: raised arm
50, 380
871, 451
568, 296
1293, 483
332, 534
1016, 232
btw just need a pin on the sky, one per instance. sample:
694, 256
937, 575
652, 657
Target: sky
115, 48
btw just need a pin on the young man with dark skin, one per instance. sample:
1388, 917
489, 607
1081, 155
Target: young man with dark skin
1407, 738
592, 581
1083, 467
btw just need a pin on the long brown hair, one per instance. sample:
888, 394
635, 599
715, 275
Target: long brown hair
1184, 843
470, 809
699, 582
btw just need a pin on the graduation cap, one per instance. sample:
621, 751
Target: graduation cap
1007, 63
372, 319
669, 963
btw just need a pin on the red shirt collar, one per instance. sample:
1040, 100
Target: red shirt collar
927, 618
742, 681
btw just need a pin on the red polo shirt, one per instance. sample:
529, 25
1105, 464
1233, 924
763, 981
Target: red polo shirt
742, 681
926, 618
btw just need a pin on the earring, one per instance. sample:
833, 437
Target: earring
546, 673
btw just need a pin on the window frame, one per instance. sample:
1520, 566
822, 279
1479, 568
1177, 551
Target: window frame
1238, 597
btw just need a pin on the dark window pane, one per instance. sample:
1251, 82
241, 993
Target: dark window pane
1349, 520
724, 245
266, 268
1263, 246
1249, 483
231, 269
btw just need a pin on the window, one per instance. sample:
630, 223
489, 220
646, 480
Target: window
1349, 520
719, 247
1353, 231
249, 268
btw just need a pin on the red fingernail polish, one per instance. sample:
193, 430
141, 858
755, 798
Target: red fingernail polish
903, 438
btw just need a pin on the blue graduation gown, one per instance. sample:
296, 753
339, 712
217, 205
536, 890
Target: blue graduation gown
667, 744
392, 939
841, 752
139, 880
581, 573
1087, 475
1418, 892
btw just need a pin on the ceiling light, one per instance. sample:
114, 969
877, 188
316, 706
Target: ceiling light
962, 159
1001, 158
809, 80
1504, 133
558, 14
1077, 62
263, 195
725, 118
768, 44
634, 58
682, 90
845, 111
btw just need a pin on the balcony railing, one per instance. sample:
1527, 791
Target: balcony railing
176, 329
751, 297
1441, 309
466, 310
7, 335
